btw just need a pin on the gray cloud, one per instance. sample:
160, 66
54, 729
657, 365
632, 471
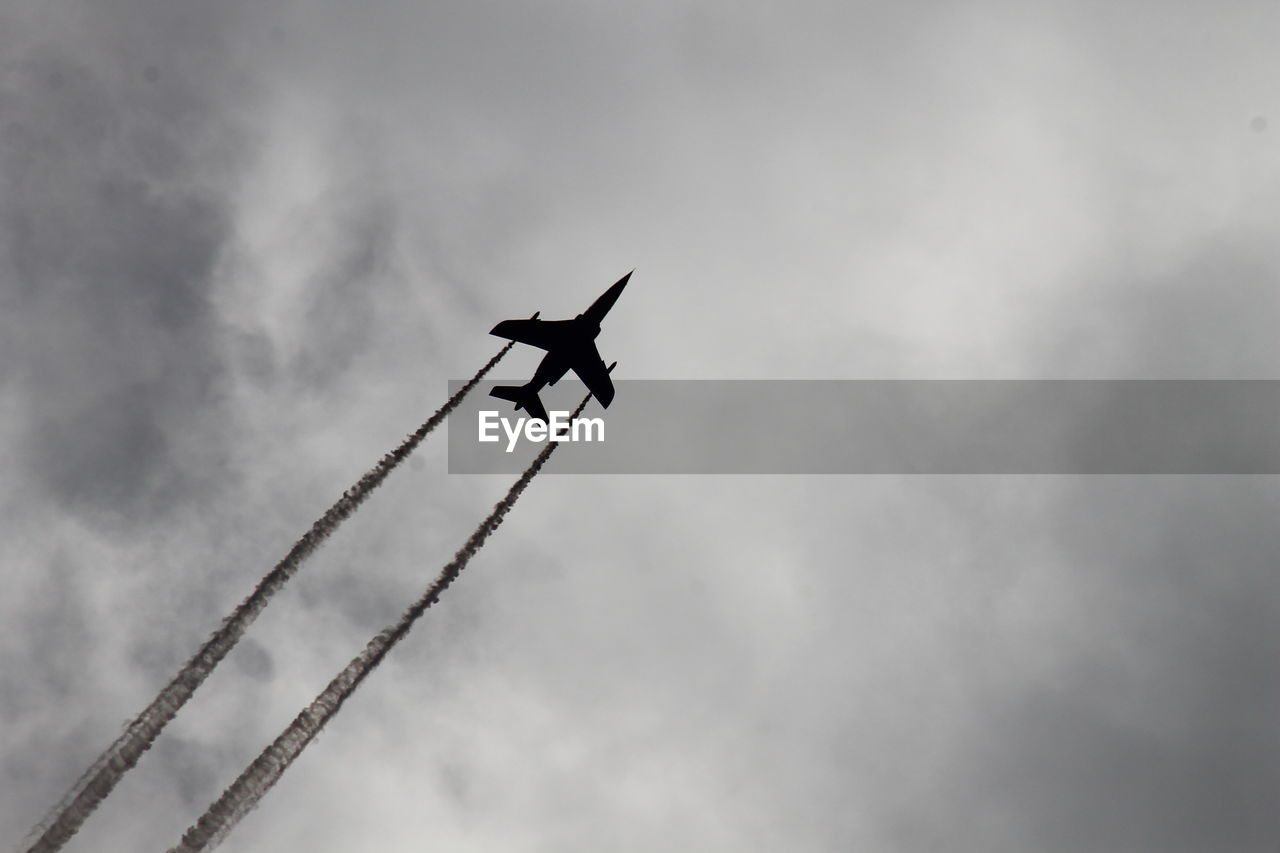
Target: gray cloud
244, 246
1209, 314
117, 143
1151, 723
114, 226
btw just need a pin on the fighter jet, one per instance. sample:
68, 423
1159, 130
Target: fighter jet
570, 345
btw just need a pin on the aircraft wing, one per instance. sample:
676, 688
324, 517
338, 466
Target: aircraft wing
591, 370
543, 334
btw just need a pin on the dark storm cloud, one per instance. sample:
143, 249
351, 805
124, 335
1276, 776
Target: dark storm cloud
116, 150
1148, 720
119, 147
798, 182
1154, 728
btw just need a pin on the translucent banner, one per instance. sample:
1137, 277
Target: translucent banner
882, 427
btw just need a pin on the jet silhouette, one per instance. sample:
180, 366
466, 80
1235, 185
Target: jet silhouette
570, 345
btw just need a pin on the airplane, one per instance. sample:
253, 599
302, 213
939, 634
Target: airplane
570, 345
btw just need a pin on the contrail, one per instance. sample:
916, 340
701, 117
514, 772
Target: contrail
244, 793
90, 789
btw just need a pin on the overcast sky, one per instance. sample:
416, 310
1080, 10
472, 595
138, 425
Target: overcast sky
244, 245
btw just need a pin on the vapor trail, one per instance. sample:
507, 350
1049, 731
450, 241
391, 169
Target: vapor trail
244, 793
98, 781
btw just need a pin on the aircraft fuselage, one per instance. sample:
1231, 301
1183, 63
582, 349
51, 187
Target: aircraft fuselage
569, 344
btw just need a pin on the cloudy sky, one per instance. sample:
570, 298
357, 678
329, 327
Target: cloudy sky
245, 245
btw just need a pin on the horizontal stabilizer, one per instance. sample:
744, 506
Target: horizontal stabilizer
509, 392
524, 397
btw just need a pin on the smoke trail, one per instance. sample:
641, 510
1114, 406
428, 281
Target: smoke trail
244, 793
97, 782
